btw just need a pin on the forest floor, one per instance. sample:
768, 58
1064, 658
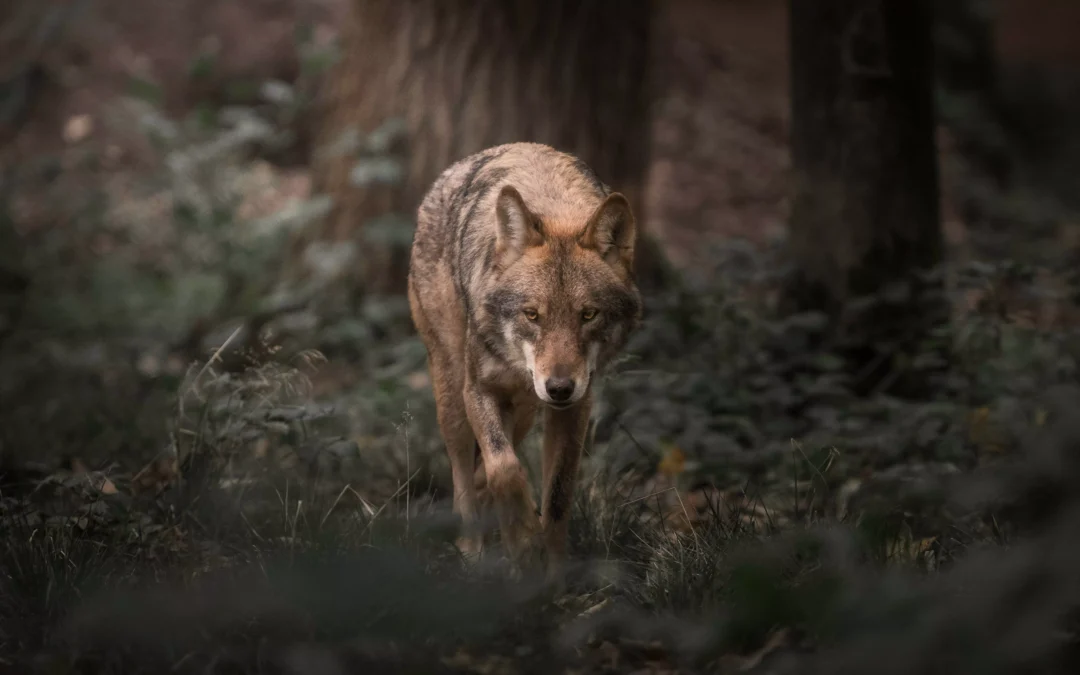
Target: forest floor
169, 503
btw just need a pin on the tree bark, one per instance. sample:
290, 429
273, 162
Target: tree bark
467, 74
967, 70
865, 213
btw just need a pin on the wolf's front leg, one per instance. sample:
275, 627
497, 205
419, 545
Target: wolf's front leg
564, 438
447, 380
507, 483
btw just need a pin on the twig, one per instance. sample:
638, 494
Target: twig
338, 499
387, 502
216, 355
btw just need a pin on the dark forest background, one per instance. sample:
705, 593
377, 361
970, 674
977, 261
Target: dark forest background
846, 438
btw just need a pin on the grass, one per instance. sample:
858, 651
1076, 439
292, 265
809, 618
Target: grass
282, 537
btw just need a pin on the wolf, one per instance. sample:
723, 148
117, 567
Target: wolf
521, 287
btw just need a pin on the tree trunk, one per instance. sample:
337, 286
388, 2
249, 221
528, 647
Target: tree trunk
865, 213
967, 68
467, 74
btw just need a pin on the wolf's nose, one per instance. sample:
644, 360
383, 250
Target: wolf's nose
560, 389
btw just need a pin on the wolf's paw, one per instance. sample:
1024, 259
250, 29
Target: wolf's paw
471, 549
526, 547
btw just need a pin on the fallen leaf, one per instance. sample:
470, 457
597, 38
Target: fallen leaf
775, 641
907, 549
980, 416
108, 487
148, 365
156, 475
673, 462
261, 448
418, 380
984, 432
843, 496
77, 128
460, 659
611, 654
596, 608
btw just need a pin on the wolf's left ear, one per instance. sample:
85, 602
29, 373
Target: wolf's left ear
518, 228
612, 231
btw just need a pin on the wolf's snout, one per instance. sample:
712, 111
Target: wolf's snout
560, 389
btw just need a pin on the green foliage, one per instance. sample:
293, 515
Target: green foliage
145, 89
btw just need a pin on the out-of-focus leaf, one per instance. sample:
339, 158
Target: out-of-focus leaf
379, 141
318, 61
389, 230
202, 65
673, 462
146, 90
277, 92
375, 170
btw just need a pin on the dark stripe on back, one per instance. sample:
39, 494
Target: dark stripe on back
587, 172
477, 192
457, 204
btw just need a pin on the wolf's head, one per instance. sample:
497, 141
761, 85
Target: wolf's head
565, 301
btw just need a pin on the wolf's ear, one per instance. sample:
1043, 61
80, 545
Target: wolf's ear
612, 232
518, 227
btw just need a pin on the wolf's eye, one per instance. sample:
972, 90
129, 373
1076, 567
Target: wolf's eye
531, 314
588, 315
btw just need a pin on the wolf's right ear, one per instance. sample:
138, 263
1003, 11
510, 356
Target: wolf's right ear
611, 231
518, 228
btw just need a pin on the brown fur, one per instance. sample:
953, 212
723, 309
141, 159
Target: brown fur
521, 287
